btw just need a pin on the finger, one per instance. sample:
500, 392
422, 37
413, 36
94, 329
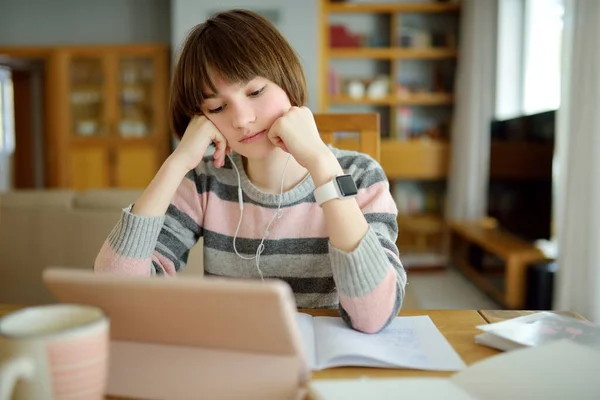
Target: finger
216, 156
221, 146
280, 143
273, 135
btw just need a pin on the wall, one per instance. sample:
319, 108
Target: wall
43, 22
298, 22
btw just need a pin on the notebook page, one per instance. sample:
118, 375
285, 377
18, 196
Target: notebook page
407, 342
305, 322
557, 370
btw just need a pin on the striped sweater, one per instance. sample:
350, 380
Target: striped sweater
366, 284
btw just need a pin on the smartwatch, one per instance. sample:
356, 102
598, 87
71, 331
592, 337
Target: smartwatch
340, 187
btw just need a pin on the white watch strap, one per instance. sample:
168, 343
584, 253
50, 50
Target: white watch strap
326, 192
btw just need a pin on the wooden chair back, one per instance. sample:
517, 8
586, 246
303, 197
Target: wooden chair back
333, 129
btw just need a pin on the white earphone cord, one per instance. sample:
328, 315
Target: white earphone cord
277, 215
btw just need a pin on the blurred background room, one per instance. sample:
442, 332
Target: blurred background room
488, 115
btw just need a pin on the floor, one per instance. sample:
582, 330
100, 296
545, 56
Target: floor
447, 289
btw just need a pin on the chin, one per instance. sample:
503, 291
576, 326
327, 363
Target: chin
257, 150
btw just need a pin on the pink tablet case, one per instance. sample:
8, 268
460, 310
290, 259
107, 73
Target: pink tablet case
193, 337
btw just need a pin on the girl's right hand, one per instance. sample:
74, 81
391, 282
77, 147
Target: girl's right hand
198, 135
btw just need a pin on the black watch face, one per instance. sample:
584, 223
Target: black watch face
347, 185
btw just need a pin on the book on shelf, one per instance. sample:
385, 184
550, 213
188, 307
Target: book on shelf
407, 342
538, 329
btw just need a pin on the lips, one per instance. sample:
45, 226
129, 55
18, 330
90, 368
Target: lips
253, 137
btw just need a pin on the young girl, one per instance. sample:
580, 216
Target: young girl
268, 202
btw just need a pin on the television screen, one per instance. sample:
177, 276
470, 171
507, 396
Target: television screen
520, 185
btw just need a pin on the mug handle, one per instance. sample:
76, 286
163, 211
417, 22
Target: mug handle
11, 371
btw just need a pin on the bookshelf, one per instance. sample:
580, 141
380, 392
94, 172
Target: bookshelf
398, 59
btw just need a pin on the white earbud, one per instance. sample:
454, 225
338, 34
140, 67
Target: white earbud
277, 215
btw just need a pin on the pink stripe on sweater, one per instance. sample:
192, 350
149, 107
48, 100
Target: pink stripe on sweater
109, 261
370, 312
256, 218
376, 198
186, 200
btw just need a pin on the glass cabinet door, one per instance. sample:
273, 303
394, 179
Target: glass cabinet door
87, 96
136, 96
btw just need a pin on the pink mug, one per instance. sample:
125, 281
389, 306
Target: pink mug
53, 352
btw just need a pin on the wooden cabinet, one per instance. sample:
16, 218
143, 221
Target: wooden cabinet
89, 167
135, 166
110, 105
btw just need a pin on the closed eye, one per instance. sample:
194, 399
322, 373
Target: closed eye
258, 92
216, 110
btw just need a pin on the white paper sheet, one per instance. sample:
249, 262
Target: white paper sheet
407, 342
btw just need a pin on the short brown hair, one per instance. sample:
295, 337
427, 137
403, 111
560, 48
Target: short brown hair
238, 45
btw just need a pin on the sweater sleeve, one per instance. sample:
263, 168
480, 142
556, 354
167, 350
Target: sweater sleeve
371, 278
146, 246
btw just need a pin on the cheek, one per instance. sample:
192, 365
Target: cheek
275, 106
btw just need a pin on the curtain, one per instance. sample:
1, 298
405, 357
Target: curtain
474, 110
578, 149
7, 130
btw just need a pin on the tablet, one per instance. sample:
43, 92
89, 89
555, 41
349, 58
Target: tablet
219, 319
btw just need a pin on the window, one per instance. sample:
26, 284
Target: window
7, 139
528, 56
7, 132
541, 63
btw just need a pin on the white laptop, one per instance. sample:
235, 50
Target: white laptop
193, 337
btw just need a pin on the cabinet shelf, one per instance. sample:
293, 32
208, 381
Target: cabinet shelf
420, 99
415, 159
392, 8
392, 53
422, 223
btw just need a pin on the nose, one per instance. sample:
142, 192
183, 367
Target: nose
243, 116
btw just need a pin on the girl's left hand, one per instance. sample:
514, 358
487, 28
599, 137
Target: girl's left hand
296, 133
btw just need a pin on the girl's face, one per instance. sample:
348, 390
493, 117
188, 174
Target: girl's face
244, 112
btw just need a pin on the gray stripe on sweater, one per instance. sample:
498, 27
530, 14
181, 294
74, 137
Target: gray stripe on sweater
383, 223
206, 183
305, 298
184, 221
248, 247
294, 265
300, 285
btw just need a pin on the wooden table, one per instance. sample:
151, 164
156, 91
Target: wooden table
458, 326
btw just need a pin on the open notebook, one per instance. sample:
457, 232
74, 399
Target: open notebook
408, 342
558, 370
